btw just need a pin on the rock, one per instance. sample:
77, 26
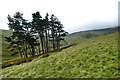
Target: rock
2, 76
93, 41
72, 47
34, 59
39, 56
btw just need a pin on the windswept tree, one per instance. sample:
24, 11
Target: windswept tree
53, 30
57, 32
46, 31
38, 27
22, 35
16, 24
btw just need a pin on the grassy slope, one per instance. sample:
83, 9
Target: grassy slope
93, 33
6, 54
5, 33
91, 58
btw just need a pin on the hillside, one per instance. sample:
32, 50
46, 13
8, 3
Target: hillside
5, 33
91, 58
90, 33
6, 54
75, 37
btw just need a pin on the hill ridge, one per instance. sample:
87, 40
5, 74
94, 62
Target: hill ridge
89, 34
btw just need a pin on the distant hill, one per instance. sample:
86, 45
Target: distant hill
6, 54
3, 34
74, 37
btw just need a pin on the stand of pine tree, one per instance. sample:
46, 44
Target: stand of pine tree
37, 37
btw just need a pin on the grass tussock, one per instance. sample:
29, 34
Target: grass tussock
91, 58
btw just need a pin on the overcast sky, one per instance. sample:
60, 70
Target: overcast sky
75, 15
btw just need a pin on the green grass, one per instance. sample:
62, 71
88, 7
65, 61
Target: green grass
74, 37
91, 58
6, 54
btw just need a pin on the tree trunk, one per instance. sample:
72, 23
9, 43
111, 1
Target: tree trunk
26, 51
20, 52
53, 40
30, 49
56, 40
33, 52
39, 49
46, 41
41, 39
